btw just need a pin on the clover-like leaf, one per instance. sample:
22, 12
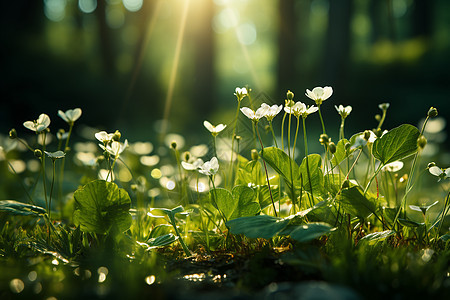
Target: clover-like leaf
241, 202
102, 207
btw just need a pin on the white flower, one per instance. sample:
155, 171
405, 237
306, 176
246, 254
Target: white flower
255, 116
319, 94
104, 137
210, 167
240, 93
272, 111
343, 111
393, 166
300, 109
214, 129
38, 125
115, 148
71, 115
442, 174
194, 166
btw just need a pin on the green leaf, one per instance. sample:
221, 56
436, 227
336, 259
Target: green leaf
18, 208
162, 240
102, 207
376, 237
264, 195
240, 203
261, 226
409, 223
354, 202
314, 162
282, 164
308, 232
250, 173
397, 144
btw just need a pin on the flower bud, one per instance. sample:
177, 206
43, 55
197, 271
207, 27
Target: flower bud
421, 142
432, 112
324, 139
67, 149
366, 135
384, 106
117, 135
377, 117
237, 138
290, 95
186, 156
347, 146
134, 187
13, 133
254, 154
332, 147
38, 153
173, 145
431, 164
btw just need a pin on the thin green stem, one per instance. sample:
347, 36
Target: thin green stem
321, 119
307, 161
341, 129
273, 134
51, 188
295, 138
290, 164
233, 137
282, 130
255, 124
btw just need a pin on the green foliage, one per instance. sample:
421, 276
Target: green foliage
354, 202
282, 164
18, 208
262, 226
102, 207
308, 232
396, 144
241, 202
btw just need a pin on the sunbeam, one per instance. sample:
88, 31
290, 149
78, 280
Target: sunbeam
174, 71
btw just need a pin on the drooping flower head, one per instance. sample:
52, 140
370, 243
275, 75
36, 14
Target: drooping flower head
343, 111
272, 111
210, 168
240, 93
214, 129
319, 94
255, 116
70, 116
38, 125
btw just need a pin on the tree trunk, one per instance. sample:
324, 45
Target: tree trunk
287, 47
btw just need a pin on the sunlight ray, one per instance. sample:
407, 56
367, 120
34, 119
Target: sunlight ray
174, 71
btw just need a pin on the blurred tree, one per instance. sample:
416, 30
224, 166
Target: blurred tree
337, 45
288, 48
203, 84
104, 35
422, 21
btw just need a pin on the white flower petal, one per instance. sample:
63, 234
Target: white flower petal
208, 126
